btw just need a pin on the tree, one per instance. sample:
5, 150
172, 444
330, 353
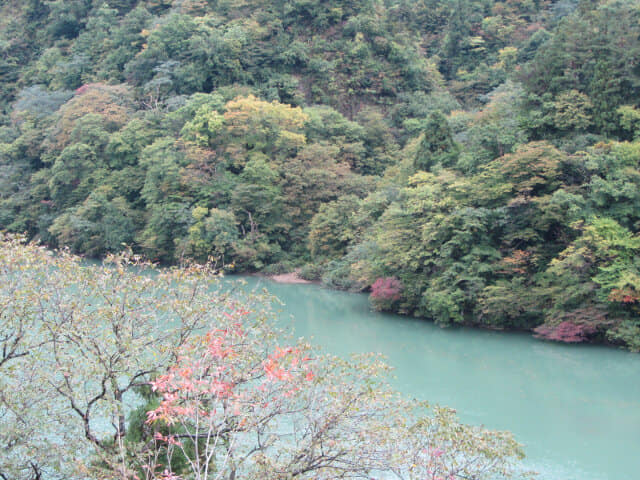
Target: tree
232, 403
111, 102
593, 286
436, 146
102, 223
630, 120
23, 411
235, 406
332, 229
496, 129
598, 70
75, 341
573, 111
385, 292
75, 172
213, 235
254, 125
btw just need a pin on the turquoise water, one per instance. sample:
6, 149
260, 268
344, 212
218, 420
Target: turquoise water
576, 408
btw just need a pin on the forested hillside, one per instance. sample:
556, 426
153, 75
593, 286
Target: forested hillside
467, 161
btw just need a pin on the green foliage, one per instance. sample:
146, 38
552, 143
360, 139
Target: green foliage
212, 234
630, 120
436, 146
332, 228
454, 146
101, 224
599, 270
591, 55
572, 111
492, 132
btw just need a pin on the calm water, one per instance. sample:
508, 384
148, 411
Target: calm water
575, 408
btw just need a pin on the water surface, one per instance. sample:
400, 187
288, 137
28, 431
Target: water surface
576, 408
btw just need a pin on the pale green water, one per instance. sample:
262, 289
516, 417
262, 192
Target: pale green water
575, 408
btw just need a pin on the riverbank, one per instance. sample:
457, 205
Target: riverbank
288, 278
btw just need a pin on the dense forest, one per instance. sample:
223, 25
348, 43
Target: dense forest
468, 161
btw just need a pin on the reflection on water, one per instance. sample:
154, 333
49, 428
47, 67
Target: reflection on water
576, 408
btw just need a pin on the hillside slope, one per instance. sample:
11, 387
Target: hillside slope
469, 161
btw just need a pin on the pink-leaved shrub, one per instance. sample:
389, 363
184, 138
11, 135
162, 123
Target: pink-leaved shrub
385, 292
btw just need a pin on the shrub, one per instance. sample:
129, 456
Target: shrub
385, 292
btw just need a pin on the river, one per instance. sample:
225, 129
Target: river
576, 408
